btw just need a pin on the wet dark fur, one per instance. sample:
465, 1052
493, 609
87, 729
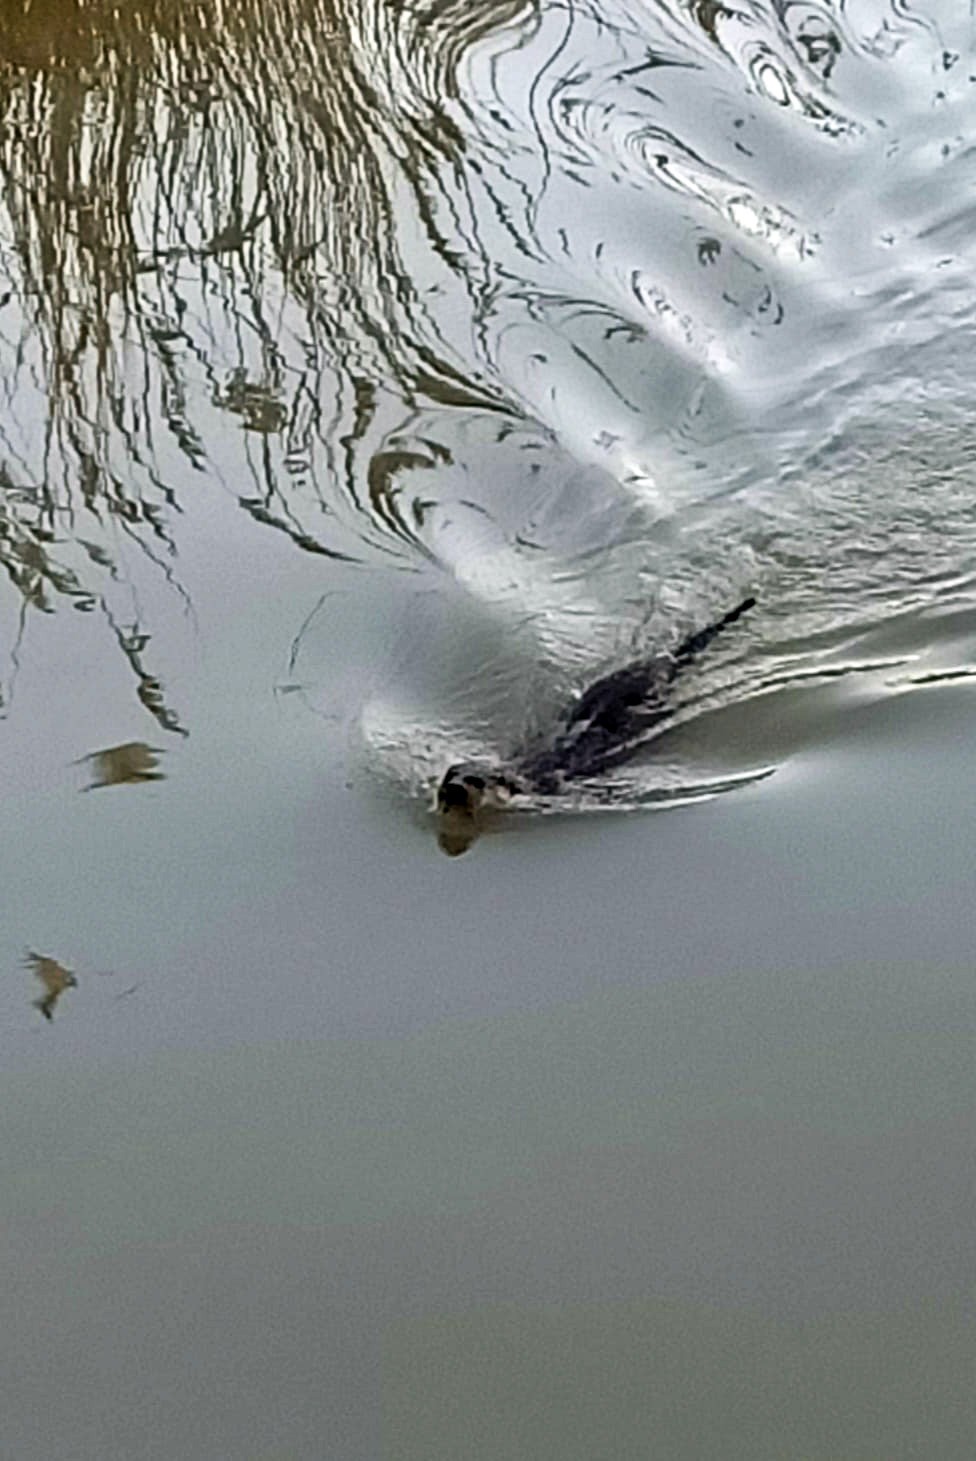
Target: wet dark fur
608, 722
602, 729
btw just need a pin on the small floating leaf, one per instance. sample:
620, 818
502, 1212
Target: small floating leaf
54, 977
131, 762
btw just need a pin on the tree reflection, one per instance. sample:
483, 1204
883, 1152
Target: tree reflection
199, 211
295, 251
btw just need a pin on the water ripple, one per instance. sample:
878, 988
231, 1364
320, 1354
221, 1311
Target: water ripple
584, 317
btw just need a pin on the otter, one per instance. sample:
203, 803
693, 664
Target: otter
604, 727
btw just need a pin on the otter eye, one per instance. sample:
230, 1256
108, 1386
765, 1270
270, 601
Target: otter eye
477, 783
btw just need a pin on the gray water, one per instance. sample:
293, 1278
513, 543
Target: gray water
374, 379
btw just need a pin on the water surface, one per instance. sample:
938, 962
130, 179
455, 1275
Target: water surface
373, 379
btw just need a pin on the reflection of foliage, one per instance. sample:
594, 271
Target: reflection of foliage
255, 404
199, 223
25, 550
243, 159
258, 241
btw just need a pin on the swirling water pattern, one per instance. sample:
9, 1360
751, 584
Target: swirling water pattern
739, 297
574, 322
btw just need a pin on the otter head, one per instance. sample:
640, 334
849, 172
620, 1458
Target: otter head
466, 792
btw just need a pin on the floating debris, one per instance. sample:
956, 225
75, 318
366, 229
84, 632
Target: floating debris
131, 762
55, 979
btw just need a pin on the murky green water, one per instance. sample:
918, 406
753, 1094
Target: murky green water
373, 380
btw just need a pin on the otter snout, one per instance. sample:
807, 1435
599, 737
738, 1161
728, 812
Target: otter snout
464, 794
466, 791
